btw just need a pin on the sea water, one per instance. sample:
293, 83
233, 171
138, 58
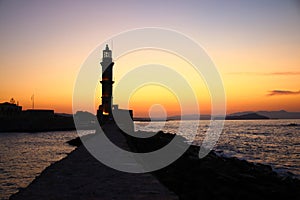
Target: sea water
23, 156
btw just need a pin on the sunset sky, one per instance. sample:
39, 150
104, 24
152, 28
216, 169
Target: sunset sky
254, 44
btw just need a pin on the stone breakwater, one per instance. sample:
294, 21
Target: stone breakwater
81, 176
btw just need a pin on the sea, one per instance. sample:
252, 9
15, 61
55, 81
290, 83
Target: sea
23, 156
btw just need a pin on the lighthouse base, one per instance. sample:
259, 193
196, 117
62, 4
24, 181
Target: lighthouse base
121, 117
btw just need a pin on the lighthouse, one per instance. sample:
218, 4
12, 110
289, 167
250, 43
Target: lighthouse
105, 109
107, 112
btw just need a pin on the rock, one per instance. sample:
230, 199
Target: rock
217, 177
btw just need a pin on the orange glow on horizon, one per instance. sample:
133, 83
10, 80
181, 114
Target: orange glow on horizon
256, 51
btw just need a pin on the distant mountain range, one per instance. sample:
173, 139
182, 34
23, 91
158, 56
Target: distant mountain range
281, 114
246, 116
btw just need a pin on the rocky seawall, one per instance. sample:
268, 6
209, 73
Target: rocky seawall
214, 176
217, 177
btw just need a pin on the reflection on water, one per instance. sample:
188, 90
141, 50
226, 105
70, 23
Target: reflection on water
273, 142
24, 156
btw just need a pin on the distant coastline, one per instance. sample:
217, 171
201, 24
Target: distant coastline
14, 119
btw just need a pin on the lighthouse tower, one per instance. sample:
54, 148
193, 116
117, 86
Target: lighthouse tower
107, 112
105, 109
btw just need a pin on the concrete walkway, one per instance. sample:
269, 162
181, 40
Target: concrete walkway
81, 176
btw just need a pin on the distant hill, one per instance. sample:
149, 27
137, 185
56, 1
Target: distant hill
85, 116
246, 117
85, 120
281, 114
64, 114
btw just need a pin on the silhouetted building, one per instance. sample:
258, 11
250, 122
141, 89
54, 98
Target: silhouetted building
37, 113
108, 112
10, 110
14, 111
14, 119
